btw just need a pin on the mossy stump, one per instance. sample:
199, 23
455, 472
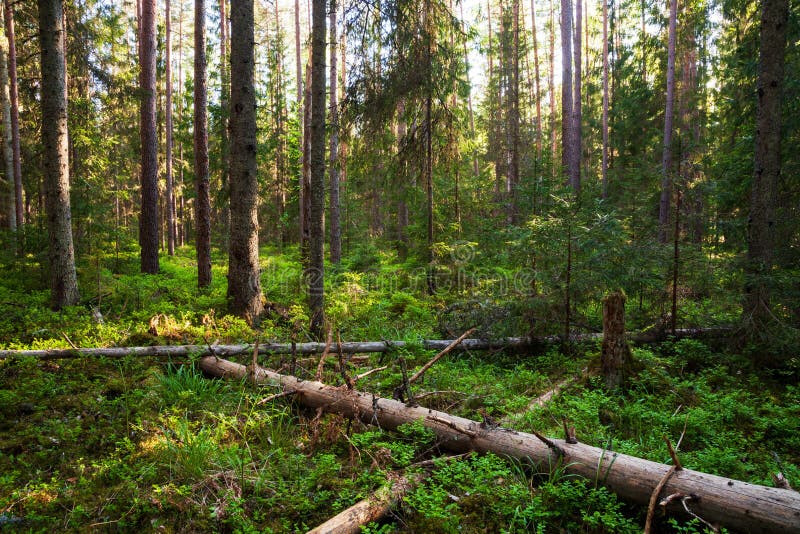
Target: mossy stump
615, 358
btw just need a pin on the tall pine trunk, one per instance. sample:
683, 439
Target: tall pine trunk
577, 135
148, 222
761, 235
168, 163
14, 102
316, 271
203, 200
551, 85
8, 151
335, 216
566, 85
666, 158
63, 280
514, 115
244, 284
224, 96
605, 100
537, 90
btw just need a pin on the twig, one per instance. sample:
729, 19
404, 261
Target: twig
686, 507
277, 396
673, 455
454, 426
651, 507
366, 374
550, 443
447, 349
252, 369
324, 355
71, 344
569, 433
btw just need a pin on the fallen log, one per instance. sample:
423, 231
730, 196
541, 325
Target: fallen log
370, 509
732, 503
348, 347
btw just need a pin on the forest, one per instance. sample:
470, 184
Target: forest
400, 266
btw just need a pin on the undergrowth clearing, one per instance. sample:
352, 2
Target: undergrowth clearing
131, 444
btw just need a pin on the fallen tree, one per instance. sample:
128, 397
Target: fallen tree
732, 503
370, 509
348, 347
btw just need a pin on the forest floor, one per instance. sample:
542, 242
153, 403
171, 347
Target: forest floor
139, 443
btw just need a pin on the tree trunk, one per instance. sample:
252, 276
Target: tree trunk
168, 163
551, 84
475, 168
305, 179
8, 150
566, 86
737, 505
373, 508
301, 119
605, 100
52, 35
224, 97
316, 271
615, 356
666, 159
514, 115
348, 347
538, 92
335, 215
244, 284
577, 135
148, 222
203, 201
179, 201
14, 102
761, 235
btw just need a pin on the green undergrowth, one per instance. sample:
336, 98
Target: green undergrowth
133, 444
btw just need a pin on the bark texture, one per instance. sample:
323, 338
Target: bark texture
14, 103
244, 284
170, 189
576, 152
615, 355
316, 270
761, 235
203, 200
666, 159
333, 156
604, 162
370, 509
566, 84
8, 151
63, 280
148, 219
735, 504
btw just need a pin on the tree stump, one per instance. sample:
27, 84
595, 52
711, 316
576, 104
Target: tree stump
615, 357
